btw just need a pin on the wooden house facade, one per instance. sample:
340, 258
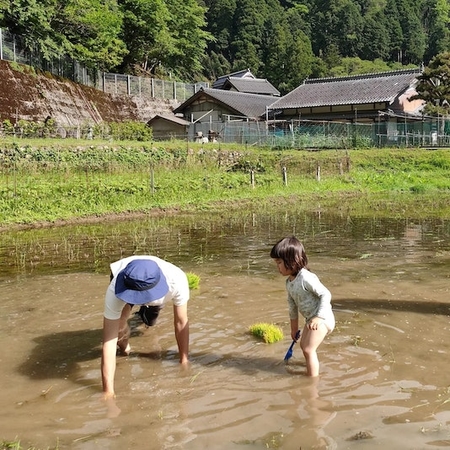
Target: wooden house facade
359, 98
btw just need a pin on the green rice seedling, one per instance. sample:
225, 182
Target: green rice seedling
193, 279
268, 332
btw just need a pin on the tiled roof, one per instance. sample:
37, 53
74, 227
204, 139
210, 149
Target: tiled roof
174, 119
218, 84
359, 89
251, 86
248, 105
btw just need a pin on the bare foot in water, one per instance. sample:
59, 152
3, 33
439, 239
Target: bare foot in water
126, 351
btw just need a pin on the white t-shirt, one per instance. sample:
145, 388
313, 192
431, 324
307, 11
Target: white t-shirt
175, 277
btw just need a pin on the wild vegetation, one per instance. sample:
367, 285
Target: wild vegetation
51, 180
284, 41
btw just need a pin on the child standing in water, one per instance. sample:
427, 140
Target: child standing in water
307, 296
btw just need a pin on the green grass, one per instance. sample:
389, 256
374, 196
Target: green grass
51, 180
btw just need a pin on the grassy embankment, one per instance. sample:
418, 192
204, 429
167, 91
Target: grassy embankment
49, 180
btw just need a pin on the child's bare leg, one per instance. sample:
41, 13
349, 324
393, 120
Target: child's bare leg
309, 342
124, 331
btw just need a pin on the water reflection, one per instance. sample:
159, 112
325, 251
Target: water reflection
206, 238
383, 367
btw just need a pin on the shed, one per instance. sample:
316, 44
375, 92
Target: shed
168, 126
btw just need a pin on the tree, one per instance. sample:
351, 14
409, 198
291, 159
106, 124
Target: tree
357, 66
3, 7
395, 31
375, 38
286, 49
414, 39
86, 30
437, 26
274, 47
215, 65
336, 22
187, 26
93, 28
434, 85
219, 17
299, 62
31, 20
146, 32
247, 33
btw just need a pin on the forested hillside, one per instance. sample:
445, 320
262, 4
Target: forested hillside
284, 41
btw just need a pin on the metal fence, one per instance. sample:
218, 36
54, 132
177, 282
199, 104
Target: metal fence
312, 135
117, 84
12, 49
309, 135
295, 134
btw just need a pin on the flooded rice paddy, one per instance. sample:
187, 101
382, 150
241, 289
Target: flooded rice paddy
384, 380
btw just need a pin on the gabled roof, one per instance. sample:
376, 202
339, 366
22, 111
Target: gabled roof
351, 90
251, 86
246, 73
174, 119
252, 106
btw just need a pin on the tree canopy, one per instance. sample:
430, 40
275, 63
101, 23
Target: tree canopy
284, 41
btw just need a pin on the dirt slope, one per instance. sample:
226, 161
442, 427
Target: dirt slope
32, 96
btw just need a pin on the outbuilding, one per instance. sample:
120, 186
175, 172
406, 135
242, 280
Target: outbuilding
168, 127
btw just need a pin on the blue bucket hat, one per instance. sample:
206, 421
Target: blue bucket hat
142, 281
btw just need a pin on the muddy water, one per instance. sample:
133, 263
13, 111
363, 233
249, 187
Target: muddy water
385, 373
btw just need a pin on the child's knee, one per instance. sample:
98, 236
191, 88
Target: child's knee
308, 349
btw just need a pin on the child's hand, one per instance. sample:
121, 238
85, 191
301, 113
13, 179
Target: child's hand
314, 323
295, 335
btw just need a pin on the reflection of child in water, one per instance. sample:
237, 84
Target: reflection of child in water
314, 412
307, 296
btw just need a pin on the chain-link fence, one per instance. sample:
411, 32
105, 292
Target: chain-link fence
292, 134
12, 49
430, 132
307, 135
117, 84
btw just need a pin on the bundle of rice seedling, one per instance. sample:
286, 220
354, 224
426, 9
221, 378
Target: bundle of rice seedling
193, 279
268, 332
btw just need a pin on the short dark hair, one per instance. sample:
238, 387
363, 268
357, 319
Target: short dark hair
292, 252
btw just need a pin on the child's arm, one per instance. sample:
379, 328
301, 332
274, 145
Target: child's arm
313, 284
294, 329
293, 315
